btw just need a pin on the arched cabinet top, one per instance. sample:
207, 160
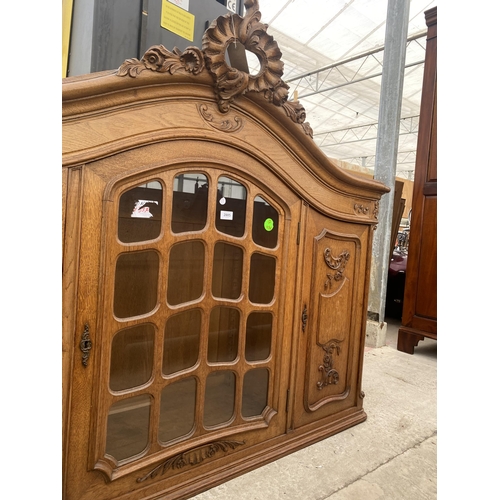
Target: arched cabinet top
195, 96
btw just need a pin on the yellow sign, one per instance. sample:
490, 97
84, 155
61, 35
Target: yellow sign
177, 20
67, 12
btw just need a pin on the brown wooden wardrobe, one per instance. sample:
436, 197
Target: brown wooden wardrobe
419, 319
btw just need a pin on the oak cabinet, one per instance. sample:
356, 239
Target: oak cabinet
215, 279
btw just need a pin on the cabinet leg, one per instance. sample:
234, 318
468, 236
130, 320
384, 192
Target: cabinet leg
408, 340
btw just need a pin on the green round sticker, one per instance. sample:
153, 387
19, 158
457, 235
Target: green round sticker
269, 224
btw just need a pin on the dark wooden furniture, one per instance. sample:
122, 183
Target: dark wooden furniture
216, 269
420, 300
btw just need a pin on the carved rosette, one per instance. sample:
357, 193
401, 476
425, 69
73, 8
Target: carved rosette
361, 209
191, 457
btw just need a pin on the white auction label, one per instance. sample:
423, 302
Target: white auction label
183, 4
225, 215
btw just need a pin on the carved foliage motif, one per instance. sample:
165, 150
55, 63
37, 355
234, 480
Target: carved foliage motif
328, 373
304, 318
191, 457
297, 113
229, 82
159, 59
376, 208
336, 264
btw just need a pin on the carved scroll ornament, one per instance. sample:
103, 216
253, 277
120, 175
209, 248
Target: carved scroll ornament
328, 373
224, 125
191, 457
229, 82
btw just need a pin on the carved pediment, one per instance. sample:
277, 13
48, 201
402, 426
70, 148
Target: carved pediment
229, 82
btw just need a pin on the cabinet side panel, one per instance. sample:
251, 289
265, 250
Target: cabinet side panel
432, 168
71, 239
426, 297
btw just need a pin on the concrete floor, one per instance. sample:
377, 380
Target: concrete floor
390, 456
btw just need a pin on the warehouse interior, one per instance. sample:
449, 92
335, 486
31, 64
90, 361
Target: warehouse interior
333, 65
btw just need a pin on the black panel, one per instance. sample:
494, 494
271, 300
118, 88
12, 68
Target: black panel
205, 11
122, 30
116, 35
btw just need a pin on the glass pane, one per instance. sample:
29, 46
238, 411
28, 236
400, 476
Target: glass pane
182, 341
139, 217
223, 334
254, 392
128, 427
265, 223
186, 265
219, 398
258, 336
227, 271
136, 283
177, 409
131, 357
262, 277
231, 207
190, 201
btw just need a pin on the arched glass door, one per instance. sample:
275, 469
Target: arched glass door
190, 323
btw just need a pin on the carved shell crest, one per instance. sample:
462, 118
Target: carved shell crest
252, 34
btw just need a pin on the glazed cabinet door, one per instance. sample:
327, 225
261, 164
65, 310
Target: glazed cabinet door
331, 340
179, 327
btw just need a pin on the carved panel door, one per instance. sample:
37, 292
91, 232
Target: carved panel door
328, 376
183, 339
